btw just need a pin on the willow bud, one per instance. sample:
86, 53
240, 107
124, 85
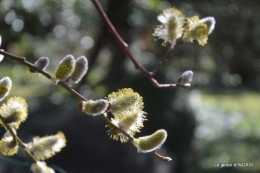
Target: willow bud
185, 78
42, 63
150, 143
94, 107
81, 69
5, 87
65, 68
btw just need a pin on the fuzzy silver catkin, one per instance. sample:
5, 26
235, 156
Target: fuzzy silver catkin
42, 63
96, 107
81, 68
5, 87
186, 77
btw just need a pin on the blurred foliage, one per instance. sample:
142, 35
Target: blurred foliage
215, 121
227, 129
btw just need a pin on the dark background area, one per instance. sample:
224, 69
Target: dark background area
214, 121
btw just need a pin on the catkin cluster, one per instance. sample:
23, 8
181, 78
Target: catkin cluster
13, 112
71, 70
126, 107
175, 25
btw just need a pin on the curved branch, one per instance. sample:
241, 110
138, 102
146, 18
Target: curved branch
124, 46
23, 61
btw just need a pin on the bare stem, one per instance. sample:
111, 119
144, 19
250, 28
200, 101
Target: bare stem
164, 60
162, 158
124, 46
166, 57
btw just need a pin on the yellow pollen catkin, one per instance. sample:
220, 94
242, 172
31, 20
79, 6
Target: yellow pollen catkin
65, 68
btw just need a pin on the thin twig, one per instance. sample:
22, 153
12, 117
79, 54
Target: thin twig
124, 46
164, 60
161, 158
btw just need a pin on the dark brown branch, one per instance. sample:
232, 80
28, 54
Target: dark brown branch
164, 60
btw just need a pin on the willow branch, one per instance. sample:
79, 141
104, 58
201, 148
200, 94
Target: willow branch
23, 61
124, 46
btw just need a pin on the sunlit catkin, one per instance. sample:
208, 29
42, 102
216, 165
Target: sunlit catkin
197, 29
46, 147
150, 143
130, 124
171, 28
5, 87
125, 102
8, 146
41, 167
14, 111
81, 69
65, 68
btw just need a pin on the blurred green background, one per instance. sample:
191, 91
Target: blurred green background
217, 120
